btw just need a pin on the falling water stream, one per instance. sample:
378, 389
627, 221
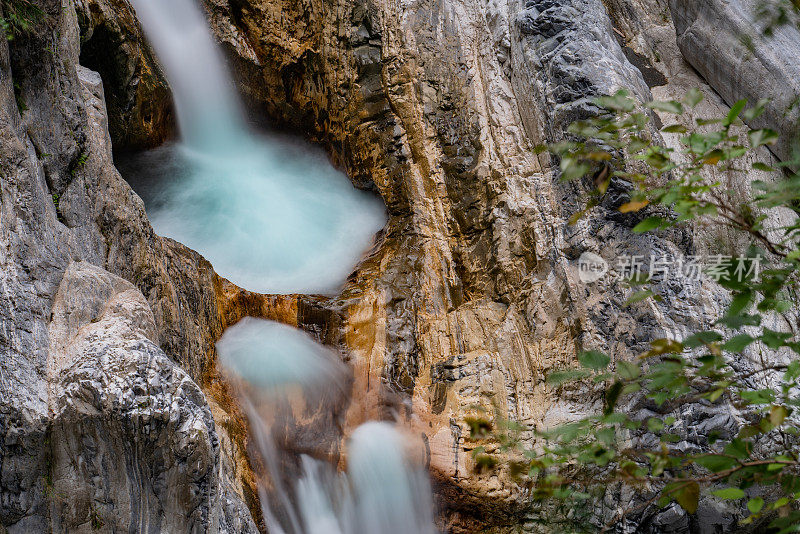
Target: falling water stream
272, 215
381, 491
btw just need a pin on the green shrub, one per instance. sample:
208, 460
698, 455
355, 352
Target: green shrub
606, 451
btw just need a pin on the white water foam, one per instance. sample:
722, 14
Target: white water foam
271, 215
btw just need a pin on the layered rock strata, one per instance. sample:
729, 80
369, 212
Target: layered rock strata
470, 297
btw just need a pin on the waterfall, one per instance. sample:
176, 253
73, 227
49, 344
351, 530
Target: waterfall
382, 489
207, 107
270, 213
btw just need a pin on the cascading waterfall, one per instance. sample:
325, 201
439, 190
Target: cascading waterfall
381, 490
208, 111
271, 214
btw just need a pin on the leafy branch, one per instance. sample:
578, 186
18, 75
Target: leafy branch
755, 466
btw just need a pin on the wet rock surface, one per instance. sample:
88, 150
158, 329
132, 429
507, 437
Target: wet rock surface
133, 445
63, 202
469, 298
137, 95
473, 296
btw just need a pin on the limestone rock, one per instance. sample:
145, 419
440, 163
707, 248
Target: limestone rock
138, 96
469, 299
724, 41
133, 446
63, 202
472, 296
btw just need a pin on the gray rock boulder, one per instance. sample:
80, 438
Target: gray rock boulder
133, 445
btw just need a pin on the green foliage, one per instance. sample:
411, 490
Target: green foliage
613, 447
773, 14
77, 163
19, 17
594, 360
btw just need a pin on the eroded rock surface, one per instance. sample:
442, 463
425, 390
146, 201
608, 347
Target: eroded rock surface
137, 94
473, 295
470, 297
133, 445
63, 202
725, 42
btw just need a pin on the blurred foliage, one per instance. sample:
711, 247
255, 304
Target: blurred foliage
758, 467
19, 17
773, 14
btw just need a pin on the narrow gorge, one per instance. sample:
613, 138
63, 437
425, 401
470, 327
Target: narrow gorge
306, 267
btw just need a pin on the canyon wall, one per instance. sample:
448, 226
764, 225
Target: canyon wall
468, 299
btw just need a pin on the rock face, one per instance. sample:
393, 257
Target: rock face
71, 388
133, 443
138, 97
108, 387
473, 296
720, 40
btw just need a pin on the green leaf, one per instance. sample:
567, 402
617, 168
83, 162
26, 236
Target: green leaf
763, 167
628, 370
693, 97
557, 378
736, 109
740, 303
612, 396
669, 106
595, 360
688, 496
738, 343
738, 448
792, 371
577, 216
702, 338
750, 431
755, 505
674, 128
761, 396
618, 102
716, 394
639, 296
715, 463
571, 169
738, 321
633, 205
655, 425
780, 503
774, 340
777, 414
728, 494
650, 223
665, 346
607, 436
762, 137
756, 111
